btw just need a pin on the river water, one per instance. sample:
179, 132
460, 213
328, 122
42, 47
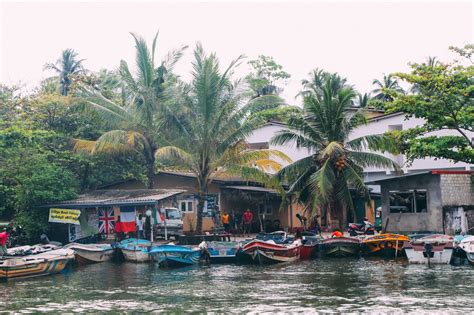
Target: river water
329, 285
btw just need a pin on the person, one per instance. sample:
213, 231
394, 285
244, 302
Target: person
248, 218
3, 240
140, 227
225, 219
148, 227
315, 226
238, 223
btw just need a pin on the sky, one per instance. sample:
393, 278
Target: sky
361, 40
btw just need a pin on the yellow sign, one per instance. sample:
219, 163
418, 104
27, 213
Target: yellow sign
64, 215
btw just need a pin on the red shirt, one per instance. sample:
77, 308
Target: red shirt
3, 238
248, 217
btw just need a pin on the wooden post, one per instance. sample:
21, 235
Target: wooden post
291, 214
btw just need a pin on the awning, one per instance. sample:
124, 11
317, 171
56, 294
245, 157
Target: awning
253, 188
117, 197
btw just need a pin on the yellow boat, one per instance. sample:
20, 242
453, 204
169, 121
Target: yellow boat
387, 244
35, 265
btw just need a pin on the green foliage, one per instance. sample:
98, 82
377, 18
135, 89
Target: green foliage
265, 76
444, 100
66, 67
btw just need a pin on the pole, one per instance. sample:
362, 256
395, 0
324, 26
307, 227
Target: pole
396, 248
291, 214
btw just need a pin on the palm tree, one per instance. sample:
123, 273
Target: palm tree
66, 67
383, 87
323, 180
363, 100
210, 138
137, 125
317, 81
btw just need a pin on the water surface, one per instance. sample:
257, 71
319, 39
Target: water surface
329, 285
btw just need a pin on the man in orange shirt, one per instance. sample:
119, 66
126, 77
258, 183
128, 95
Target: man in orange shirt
225, 219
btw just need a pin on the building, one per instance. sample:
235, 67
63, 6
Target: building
99, 209
441, 201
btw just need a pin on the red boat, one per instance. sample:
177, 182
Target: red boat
268, 252
310, 247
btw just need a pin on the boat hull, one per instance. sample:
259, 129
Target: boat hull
223, 252
137, 255
91, 257
432, 249
34, 265
385, 245
340, 247
267, 253
171, 260
420, 257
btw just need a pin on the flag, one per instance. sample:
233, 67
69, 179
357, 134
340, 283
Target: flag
127, 218
106, 221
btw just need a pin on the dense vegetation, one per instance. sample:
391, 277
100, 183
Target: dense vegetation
80, 129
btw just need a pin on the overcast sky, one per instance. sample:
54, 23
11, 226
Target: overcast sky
361, 40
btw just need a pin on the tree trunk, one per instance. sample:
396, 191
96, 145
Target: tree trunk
150, 172
200, 211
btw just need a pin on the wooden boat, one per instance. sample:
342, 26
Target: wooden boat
268, 252
31, 250
431, 249
174, 255
135, 250
467, 245
340, 246
91, 253
43, 264
223, 252
386, 244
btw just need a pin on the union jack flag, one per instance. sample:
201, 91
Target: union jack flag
106, 221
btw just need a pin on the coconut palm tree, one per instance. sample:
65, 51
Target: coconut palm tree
137, 125
66, 66
209, 139
323, 179
382, 87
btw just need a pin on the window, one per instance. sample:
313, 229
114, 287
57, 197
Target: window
265, 209
186, 206
408, 201
173, 214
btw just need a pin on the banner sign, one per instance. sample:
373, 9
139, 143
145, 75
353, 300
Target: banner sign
64, 215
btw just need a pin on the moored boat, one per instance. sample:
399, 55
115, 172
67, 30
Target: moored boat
386, 244
467, 245
43, 264
431, 249
223, 252
170, 255
135, 250
340, 246
91, 253
310, 246
268, 252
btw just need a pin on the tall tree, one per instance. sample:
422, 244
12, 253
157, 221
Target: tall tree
137, 125
444, 99
388, 83
210, 139
265, 76
323, 179
66, 67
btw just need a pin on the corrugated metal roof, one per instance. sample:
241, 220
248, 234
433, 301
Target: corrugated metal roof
253, 188
119, 197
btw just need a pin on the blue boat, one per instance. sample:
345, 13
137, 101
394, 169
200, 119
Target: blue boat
174, 255
223, 252
135, 250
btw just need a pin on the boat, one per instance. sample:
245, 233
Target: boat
91, 253
43, 264
430, 249
31, 250
279, 237
386, 244
170, 255
223, 252
310, 246
135, 250
467, 245
269, 252
340, 246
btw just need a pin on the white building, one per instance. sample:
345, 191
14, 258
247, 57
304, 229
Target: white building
378, 124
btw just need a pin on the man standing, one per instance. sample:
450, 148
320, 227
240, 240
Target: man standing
238, 223
3, 241
248, 218
225, 219
140, 227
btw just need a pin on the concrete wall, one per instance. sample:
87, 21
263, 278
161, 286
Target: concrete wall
432, 220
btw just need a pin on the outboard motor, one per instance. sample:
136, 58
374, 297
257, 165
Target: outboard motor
428, 251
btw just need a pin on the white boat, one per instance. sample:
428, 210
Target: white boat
467, 245
46, 263
431, 249
91, 253
135, 250
31, 250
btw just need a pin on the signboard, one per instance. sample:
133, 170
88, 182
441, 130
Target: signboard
64, 215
